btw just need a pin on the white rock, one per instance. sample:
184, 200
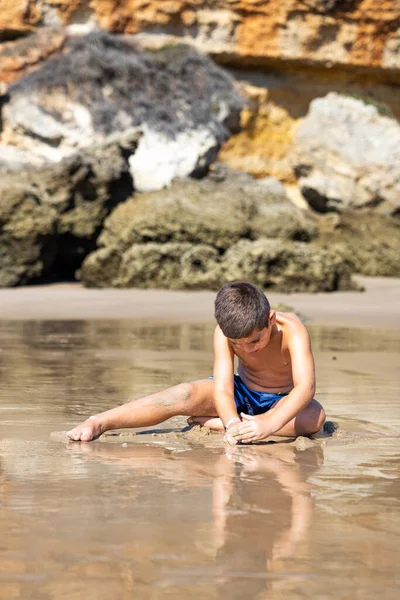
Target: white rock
349, 154
159, 159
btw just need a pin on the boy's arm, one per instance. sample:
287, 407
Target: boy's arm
303, 373
223, 378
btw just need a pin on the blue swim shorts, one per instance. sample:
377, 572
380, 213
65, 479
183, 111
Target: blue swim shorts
250, 401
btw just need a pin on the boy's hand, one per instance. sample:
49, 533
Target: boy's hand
252, 429
231, 433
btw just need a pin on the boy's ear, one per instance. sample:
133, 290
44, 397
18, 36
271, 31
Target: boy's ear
272, 317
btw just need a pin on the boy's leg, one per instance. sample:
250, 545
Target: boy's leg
213, 423
309, 421
196, 398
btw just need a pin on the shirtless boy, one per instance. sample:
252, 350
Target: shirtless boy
272, 394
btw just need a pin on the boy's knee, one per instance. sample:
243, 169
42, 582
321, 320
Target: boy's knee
317, 417
185, 391
175, 398
184, 394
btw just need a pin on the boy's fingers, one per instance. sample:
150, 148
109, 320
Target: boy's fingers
249, 438
230, 440
246, 417
240, 432
233, 431
245, 429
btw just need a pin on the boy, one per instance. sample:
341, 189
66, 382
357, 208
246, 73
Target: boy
272, 394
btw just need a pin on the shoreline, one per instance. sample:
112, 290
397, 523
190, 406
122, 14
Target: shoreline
377, 307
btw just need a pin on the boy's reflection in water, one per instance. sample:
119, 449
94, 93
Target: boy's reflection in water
262, 506
262, 510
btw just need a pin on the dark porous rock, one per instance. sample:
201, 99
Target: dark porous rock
219, 210
100, 268
288, 267
58, 210
201, 268
151, 265
369, 242
171, 265
201, 234
271, 264
27, 234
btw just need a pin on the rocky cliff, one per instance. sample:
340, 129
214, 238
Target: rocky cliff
353, 33
302, 93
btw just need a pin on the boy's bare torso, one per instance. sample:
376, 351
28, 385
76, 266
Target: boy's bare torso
270, 369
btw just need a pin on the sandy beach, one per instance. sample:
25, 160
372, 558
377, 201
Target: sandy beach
163, 511
377, 306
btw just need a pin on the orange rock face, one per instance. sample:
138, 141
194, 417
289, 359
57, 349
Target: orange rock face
18, 17
19, 57
262, 146
358, 33
346, 32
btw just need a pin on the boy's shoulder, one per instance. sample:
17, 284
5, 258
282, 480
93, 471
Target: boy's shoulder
291, 325
290, 319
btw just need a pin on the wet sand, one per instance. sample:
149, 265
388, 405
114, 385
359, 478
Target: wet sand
377, 306
169, 512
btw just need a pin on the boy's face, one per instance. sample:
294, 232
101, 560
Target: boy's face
257, 340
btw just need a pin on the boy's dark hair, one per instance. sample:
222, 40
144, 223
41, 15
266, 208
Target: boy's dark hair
240, 307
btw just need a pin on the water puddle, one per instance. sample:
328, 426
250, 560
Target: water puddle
170, 512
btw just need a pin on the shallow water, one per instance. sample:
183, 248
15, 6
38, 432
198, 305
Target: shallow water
172, 517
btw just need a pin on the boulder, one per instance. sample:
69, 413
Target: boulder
355, 164
171, 265
288, 266
201, 234
27, 53
271, 264
14, 159
50, 219
184, 105
369, 242
219, 210
27, 234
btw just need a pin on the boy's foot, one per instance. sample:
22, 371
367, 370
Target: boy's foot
86, 431
213, 423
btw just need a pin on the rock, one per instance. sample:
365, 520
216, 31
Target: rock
252, 32
200, 234
218, 210
184, 105
27, 234
23, 55
261, 147
172, 266
303, 443
52, 218
288, 266
333, 32
330, 427
100, 268
160, 159
271, 264
369, 242
18, 18
355, 164
14, 159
